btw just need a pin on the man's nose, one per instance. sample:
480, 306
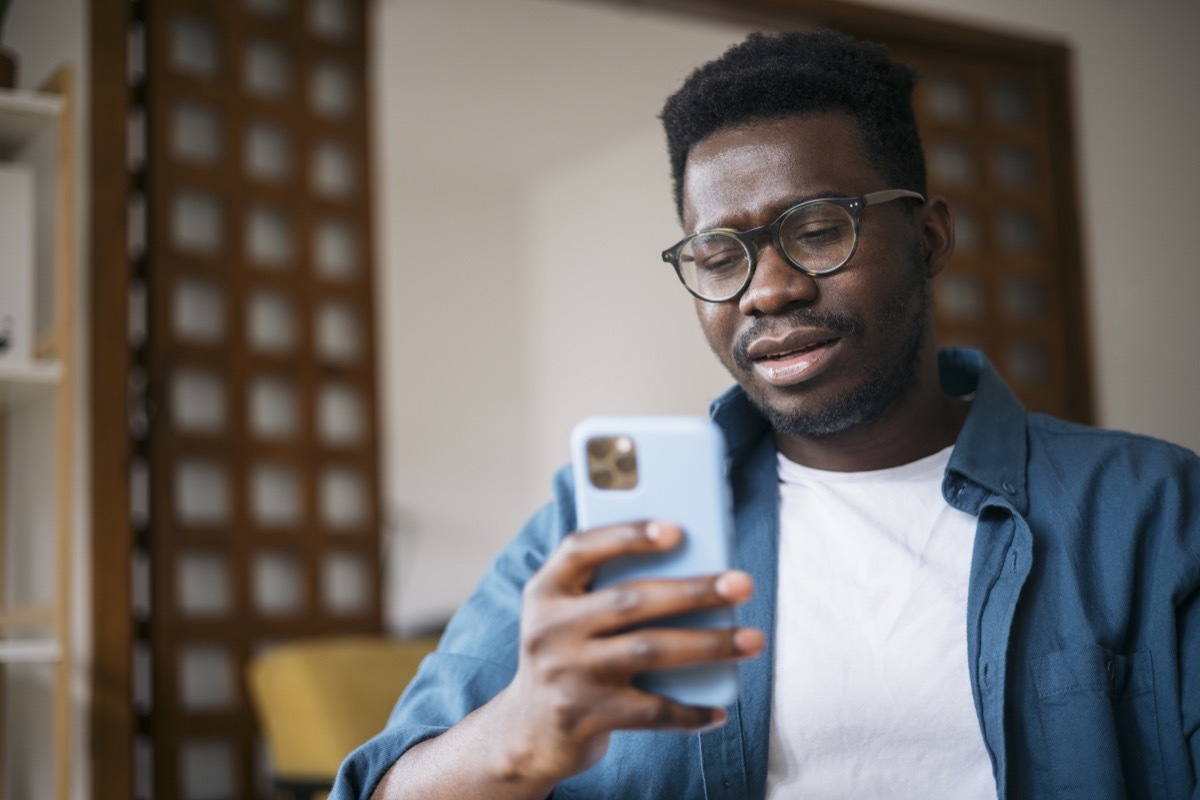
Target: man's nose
775, 284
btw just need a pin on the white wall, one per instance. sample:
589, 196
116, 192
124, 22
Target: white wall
526, 199
453, 318
615, 330
543, 112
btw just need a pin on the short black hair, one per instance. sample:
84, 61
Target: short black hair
768, 76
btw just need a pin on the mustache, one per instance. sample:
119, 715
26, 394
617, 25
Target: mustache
776, 327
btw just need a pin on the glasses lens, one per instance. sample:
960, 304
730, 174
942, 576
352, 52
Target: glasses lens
714, 265
818, 236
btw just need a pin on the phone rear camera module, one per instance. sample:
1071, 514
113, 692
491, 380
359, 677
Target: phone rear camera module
612, 462
599, 447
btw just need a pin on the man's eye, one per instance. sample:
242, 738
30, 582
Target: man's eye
719, 261
821, 234
715, 254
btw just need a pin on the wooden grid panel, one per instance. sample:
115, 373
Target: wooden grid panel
263, 521
1013, 287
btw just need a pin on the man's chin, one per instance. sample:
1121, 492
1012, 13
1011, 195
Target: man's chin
815, 423
810, 414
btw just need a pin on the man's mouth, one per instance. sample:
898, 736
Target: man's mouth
793, 348
794, 359
792, 353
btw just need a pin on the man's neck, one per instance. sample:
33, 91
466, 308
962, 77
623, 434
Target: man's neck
926, 421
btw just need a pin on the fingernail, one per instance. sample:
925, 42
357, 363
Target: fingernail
658, 531
727, 584
748, 640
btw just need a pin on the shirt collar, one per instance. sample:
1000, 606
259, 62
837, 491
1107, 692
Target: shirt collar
739, 420
991, 448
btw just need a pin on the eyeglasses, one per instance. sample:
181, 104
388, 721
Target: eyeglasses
816, 237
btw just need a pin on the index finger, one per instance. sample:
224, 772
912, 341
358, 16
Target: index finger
573, 564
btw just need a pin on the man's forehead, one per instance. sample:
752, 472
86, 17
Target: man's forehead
751, 170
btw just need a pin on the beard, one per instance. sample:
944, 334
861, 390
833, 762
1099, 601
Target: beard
879, 392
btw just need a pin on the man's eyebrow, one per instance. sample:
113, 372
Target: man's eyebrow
778, 209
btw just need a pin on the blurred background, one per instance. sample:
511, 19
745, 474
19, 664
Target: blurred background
319, 287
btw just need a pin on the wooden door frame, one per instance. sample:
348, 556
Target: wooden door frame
112, 722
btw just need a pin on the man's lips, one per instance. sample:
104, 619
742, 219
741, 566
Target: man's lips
793, 347
794, 343
797, 357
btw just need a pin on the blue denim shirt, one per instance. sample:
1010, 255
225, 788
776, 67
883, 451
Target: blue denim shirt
1083, 616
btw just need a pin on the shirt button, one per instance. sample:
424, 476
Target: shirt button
1008, 487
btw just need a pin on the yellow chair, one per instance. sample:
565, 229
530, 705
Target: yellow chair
317, 699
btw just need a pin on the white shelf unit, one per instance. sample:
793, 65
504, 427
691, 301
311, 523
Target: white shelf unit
37, 449
24, 115
28, 383
35, 651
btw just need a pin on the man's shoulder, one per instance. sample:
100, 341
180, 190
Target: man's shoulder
1049, 436
1110, 475
1002, 421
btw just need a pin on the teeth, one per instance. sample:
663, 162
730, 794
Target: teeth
790, 353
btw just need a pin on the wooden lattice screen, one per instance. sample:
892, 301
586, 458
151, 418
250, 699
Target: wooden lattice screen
254, 476
1014, 287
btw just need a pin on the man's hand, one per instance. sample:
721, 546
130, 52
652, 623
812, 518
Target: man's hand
574, 681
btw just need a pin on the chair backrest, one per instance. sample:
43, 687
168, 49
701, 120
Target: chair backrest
318, 699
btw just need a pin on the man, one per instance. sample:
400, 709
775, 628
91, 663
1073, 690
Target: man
942, 596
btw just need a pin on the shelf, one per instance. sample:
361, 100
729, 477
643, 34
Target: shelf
37, 446
20, 383
23, 115
26, 618
30, 651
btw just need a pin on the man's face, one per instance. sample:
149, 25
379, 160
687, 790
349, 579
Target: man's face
819, 356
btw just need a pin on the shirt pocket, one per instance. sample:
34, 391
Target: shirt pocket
1100, 724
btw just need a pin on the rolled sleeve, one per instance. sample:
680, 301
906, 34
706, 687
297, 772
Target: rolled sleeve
475, 659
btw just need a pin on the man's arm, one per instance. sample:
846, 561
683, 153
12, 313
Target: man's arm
573, 685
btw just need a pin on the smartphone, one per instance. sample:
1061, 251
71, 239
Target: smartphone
630, 468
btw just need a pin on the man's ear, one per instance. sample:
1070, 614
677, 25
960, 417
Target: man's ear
937, 228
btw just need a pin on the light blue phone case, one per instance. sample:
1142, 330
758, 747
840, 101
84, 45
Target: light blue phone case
680, 478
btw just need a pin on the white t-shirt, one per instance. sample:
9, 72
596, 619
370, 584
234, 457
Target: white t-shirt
872, 696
